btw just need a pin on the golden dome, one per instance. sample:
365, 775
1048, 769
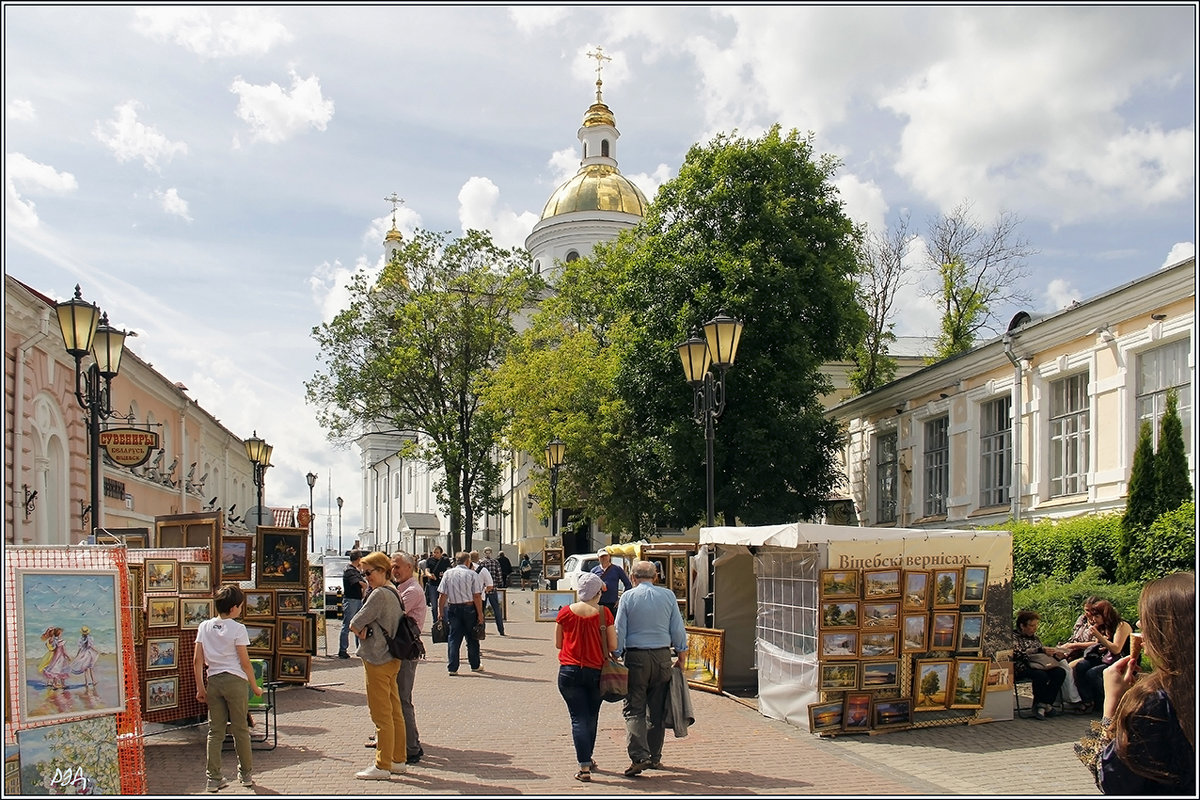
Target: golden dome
393, 235
599, 114
596, 187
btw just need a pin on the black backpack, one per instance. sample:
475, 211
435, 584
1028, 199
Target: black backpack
406, 644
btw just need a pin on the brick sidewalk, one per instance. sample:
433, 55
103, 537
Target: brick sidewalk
505, 731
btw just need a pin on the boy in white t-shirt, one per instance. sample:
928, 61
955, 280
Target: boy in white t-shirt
221, 643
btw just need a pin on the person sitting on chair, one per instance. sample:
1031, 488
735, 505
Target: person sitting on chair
1030, 661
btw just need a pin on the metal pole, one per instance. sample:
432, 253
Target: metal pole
709, 436
93, 398
312, 540
554, 512
259, 474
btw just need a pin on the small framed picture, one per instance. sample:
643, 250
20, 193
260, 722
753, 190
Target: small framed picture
162, 693
162, 575
880, 615
881, 584
970, 633
881, 674
292, 668
837, 677
891, 712
291, 635
262, 638
192, 612
162, 652
931, 684
839, 614
236, 555
195, 576
823, 717
944, 630
974, 584
547, 603
260, 604
839, 645
970, 678
289, 601
879, 644
839, 584
916, 590
163, 612
946, 585
856, 712
915, 633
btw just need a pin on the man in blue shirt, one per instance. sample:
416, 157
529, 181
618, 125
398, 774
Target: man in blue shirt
613, 576
649, 625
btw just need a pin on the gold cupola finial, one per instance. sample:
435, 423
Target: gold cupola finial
393, 234
598, 113
598, 54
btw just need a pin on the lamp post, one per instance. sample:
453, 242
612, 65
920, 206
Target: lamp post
555, 451
312, 481
259, 453
718, 348
85, 330
339, 502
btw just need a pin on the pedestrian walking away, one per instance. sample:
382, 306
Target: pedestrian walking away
585, 639
651, 639
492, 581
354, 589
460, 596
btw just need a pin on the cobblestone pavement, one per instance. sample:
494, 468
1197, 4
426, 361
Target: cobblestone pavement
505, 731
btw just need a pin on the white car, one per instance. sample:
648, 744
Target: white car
580, 563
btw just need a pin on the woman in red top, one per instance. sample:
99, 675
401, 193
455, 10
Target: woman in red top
583, 648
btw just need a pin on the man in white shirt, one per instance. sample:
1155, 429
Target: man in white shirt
460, 601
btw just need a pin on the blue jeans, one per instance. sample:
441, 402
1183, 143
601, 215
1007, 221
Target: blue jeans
580, 688
493, 600
431, 599
646, 702
350, 607
461, 619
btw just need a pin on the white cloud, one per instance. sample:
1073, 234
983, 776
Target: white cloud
650, 182
1179, 252
864, 203
24, 174
129, 139
172, 203
477, 210
1060, 294
274, 114
212, 34
564, 164
531, 19
20, 110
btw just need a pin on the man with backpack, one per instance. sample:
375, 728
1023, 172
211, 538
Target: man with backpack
413, 598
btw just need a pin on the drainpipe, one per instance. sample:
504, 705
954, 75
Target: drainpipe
22, 355
1018, 386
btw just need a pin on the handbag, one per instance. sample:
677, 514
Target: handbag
1041, 661
478, 631
440, 631
614, 676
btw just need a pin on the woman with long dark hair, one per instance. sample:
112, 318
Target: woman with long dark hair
1111, 635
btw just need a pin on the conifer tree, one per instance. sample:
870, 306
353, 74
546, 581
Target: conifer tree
1141, 509
1171, 484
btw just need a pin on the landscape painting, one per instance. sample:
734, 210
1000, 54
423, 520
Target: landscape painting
931, 684
880, 674
839, 584
946, 584
945, 626
839, 644
916, 633
856, 712
879, 584
970, 678
839, 614
881, 615
825, 717
89, 746
705, 656
235, 557
974, 584
916, 590
970, 633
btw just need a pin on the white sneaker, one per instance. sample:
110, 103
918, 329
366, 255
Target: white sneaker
373, 774
399, 769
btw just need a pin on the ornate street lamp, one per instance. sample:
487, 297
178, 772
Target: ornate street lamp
85, 330
312, 481
555, 452
339, 502
717, 349
259, 453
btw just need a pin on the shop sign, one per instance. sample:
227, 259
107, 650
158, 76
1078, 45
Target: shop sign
129, 447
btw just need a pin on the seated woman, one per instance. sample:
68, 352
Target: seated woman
1112, 642
1030, 661
1145, 743
1080, 640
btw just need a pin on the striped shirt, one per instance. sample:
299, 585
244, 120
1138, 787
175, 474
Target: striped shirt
461, 584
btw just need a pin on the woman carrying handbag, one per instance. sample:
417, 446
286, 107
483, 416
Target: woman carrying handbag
585, 638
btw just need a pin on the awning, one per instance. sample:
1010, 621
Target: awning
416, 521
792, 534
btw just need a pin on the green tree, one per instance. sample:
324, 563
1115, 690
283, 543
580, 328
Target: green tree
410, 351
1171, 484
1141, 508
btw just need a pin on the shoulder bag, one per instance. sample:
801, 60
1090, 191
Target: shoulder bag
440, 631
614, 676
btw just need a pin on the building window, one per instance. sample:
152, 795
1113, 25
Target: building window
1070, 423
396, 487
604, 147
1160, 370
572, 256
937, 466
885, 477
995, 452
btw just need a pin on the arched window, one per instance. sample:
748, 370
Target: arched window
585, 149
604, 147
572, 256
537, 267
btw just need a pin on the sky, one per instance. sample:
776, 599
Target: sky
213, 175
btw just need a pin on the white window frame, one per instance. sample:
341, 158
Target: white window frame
881, 466
1069, 432
995, 453
935, 465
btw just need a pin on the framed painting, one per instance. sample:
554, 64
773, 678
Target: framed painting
547, 604
970, 678
292, 668
915, 633
879, 644
881, 584
291, 634
289, 601
162, 575
856, 712
133, 541
837, 677
881, 674
163, 612
944, 630
970, 633
839, 584
69, 628
194, 611
702, 666
931, 684
195, 576
189, 530
946, 585
89, 746
916, 590
161, 693
679, 569
262, 638
137, 602
974, 584
880, 615
281, 558
316, 586
502, 597
825, 717
552, 563
260, 604
891, 713
838, 645
162, 652
839, 614
236, 553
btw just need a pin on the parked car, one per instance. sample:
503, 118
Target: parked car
334, 566
580, 563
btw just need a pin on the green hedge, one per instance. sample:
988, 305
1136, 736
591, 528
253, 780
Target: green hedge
1169, 546
1063, 549
1059, 603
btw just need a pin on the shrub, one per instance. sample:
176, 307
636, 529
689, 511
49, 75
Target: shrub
1169, 546
1062, 549
1059, 603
